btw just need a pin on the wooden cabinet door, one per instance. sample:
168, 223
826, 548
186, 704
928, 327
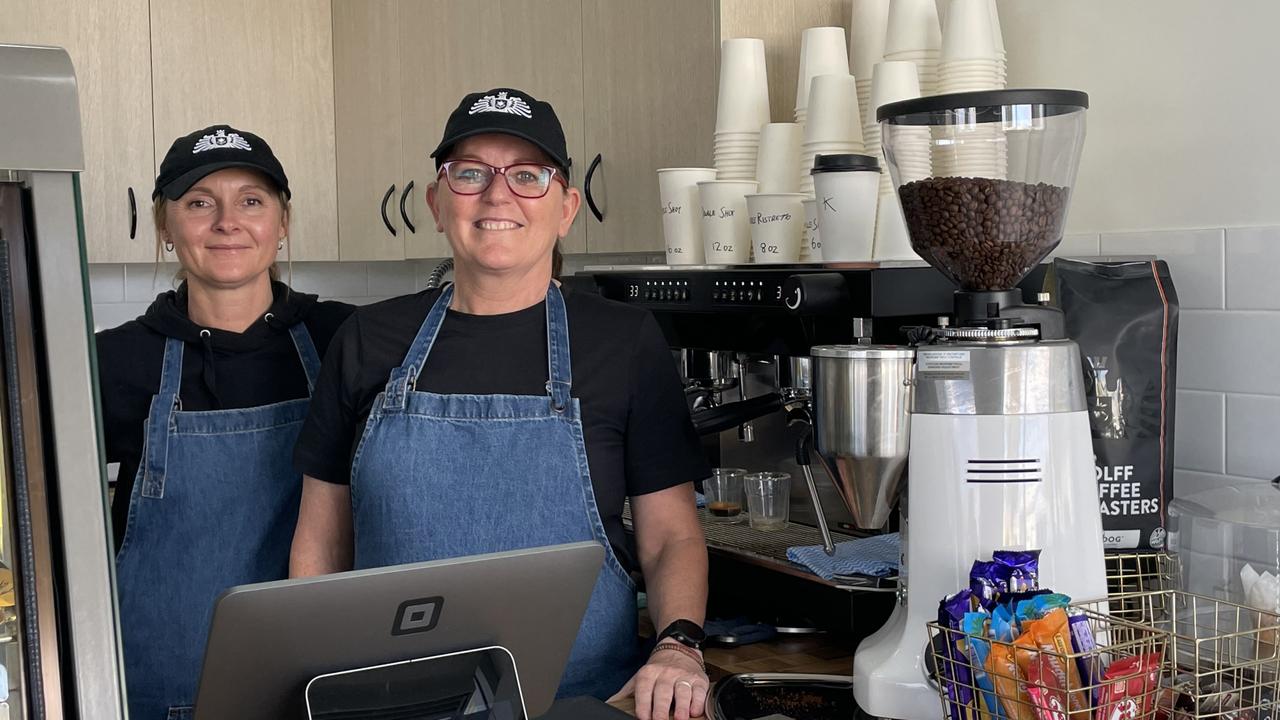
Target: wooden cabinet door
366, 84
650, 94
449, 48
111, 51
266, 67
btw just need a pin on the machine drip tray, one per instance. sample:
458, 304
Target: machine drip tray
769, 549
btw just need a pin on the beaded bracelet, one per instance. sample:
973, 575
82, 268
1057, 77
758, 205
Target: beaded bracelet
688, 651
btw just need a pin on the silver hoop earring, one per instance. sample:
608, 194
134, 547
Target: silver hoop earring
168, 246
280, 245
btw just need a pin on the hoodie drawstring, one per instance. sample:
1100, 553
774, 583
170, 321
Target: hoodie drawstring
209, 370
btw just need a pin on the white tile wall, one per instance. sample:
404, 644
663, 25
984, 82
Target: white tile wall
1198, 431
1195, 260
1252, 434
1253, 261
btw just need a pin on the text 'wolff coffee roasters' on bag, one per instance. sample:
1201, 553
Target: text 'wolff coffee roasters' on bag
1124, 317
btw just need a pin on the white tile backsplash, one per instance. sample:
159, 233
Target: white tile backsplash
109, 315
106, 283
393, 278
1235, 352
1187, 482
143, 281
1198, 431
1078, 245
1253, 261
332, 279
1252, 450
1194, 257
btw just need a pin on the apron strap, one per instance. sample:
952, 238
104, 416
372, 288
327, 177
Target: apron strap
307, 353
160, 419
403, 378
559, 366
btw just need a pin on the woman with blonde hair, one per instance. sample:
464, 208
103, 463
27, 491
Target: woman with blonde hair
202, 400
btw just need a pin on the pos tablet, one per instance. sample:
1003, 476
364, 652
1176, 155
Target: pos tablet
267, 641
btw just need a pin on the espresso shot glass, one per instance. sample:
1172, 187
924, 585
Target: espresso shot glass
726, 502
768, 500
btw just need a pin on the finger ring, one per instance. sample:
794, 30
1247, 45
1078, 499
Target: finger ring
685, 682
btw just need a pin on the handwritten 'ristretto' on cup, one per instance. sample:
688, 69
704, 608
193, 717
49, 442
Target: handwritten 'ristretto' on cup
726, 235
777, 223
682, 213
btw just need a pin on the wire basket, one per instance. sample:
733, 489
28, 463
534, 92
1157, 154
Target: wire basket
1030, 682
1135, 572
1223, 657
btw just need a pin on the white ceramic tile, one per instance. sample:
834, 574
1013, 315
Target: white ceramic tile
1198, 431
1236, 351
395, 277
106, 283
143, 281
1194, 257
364, 300
1253, 260
1189, 482
1078, 245
1252, 448
332, 279
110, 315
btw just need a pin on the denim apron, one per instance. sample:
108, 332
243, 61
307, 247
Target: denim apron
442, 476
214, 505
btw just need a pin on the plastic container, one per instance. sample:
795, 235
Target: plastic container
1219, 533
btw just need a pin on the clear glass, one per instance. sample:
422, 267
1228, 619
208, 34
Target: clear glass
725, 496
768, 500
985, 187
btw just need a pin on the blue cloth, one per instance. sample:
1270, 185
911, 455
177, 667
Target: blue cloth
876, 556
443, 476
213, 505
699, 499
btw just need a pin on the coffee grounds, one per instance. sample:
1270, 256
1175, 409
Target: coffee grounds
982, 233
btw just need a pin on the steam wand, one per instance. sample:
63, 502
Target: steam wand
798, 414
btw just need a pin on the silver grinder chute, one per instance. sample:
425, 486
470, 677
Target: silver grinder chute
862, 423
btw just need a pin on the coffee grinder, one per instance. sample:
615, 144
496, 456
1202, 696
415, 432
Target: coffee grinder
1000, 452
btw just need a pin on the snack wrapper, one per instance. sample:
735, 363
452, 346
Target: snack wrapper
1083, 643
1011, 688
1129, 686
1048, 697
954, 671
1024, 568
987, 581
1039, 606
979, 649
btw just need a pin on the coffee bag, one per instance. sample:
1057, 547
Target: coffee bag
1124, 317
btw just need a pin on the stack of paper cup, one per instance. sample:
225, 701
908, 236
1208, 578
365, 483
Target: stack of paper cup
811, 240
779, 155
726, 237
742, 107
834, 126
682, 213
970, 58
823, 51
998, 36
892, 82
868, 22
915, 35
776, 221
846, 188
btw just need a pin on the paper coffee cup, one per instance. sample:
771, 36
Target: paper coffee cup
810, 239
776, 222
682, 213
726, 236
846, 188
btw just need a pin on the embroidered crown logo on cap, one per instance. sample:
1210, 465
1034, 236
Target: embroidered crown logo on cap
191, 157
506, 111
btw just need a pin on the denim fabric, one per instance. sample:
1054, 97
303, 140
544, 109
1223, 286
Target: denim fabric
214, 505
442, 476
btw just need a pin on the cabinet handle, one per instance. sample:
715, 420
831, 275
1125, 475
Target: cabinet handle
133, 215
586, 188
405, 196
386, 220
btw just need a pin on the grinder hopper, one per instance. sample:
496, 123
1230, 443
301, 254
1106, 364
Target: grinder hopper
862, 424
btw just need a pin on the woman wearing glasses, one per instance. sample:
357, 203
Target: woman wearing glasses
507, 412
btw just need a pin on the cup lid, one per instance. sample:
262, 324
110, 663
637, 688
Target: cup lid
844, 163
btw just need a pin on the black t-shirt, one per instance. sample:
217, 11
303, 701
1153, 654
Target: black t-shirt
222, 371
636, 424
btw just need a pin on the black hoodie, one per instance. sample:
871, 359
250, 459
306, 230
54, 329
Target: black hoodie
221, 371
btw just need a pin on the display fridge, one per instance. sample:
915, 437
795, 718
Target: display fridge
59, 643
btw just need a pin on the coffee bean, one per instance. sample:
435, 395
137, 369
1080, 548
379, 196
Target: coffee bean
983, 234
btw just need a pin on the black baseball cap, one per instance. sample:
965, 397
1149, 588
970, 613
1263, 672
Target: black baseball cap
214, 148
506, 111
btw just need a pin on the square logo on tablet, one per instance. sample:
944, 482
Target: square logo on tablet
415, 616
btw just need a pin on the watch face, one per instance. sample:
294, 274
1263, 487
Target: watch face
687, 632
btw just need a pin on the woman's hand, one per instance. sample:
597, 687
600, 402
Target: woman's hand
671, 677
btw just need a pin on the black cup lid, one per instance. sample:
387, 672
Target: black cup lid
844, 163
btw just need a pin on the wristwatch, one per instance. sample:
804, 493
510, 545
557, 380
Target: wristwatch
685, 632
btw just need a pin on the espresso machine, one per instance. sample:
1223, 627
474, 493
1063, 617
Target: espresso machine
1001, 454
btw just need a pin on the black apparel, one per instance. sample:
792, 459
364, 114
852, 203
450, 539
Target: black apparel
220, 371
636, 425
